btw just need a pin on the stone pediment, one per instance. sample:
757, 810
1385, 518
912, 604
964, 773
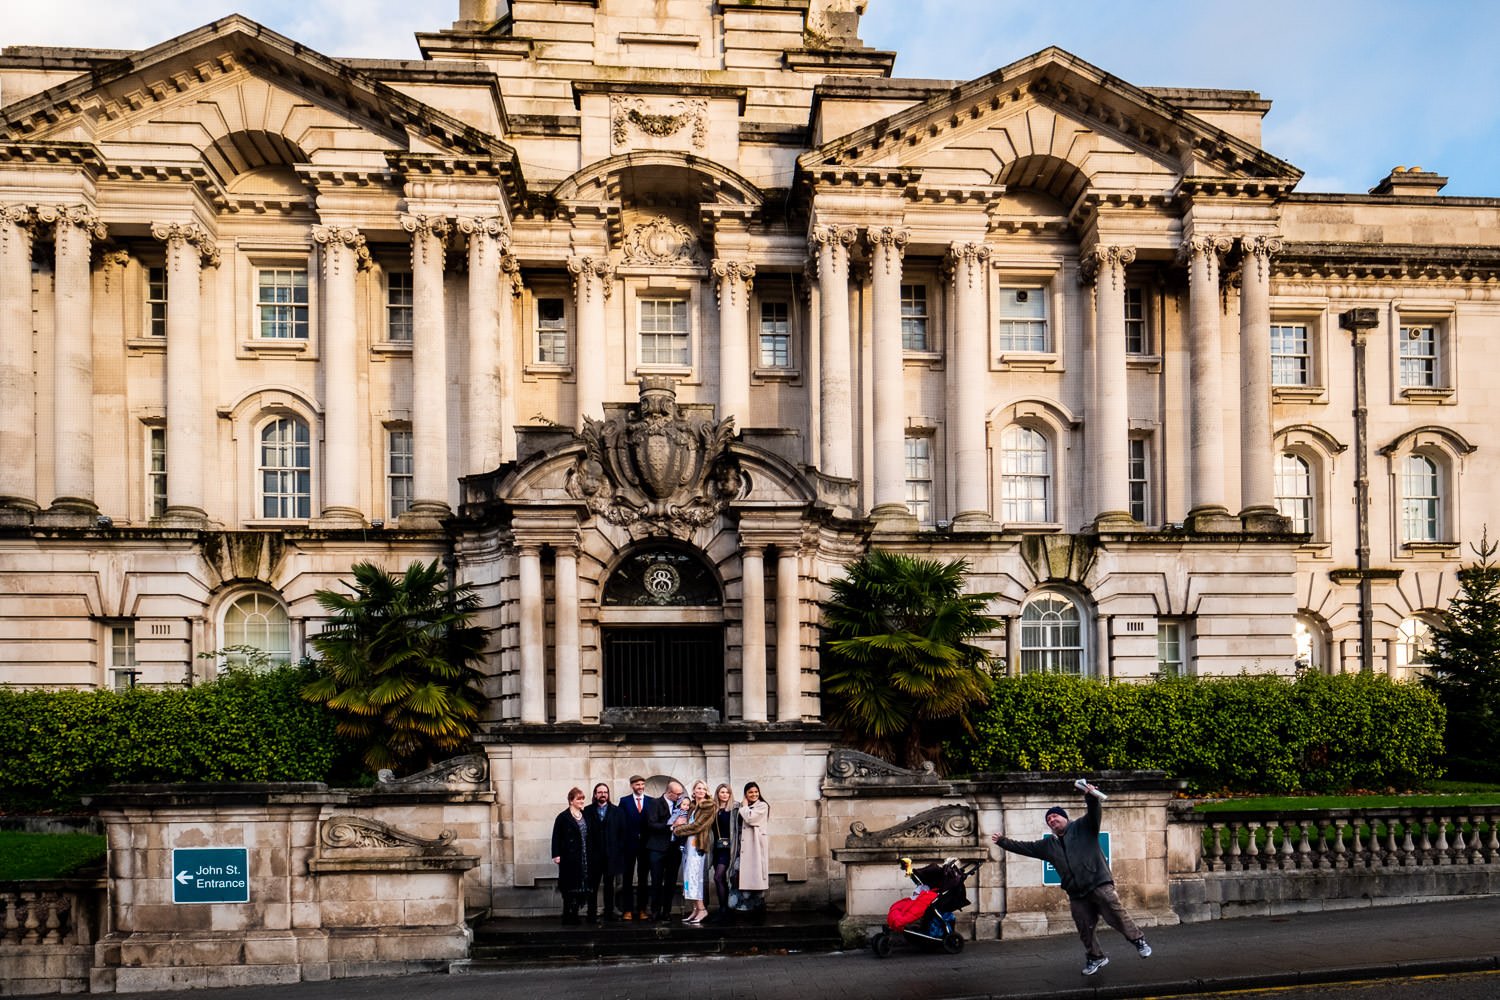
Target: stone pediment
236, 76
1050, 105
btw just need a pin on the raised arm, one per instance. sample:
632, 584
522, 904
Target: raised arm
1025, 848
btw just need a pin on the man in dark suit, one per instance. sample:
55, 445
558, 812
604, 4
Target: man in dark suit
635, 898
663, 849
605, 845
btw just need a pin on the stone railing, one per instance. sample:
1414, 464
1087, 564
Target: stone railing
1334, 839
47, 932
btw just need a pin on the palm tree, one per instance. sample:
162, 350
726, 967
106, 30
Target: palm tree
899, 667
397, 664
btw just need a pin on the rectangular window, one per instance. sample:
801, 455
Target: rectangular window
156, 473
122, 668
1291, 358
281, 303
919, 478
398, 307
399, 474
914, 318
1023, 320
775, 335
156, 301
1419, 357
1137, 334
664, 332
1140, 481
551, 331
1171, 660
285, 469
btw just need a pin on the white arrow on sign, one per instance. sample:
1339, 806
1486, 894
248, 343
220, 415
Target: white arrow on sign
183, 878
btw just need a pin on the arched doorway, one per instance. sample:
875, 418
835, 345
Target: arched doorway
662, 633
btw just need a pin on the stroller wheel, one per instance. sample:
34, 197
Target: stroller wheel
880, 944
953, 943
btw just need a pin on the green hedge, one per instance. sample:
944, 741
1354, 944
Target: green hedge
1265, 734
58, 745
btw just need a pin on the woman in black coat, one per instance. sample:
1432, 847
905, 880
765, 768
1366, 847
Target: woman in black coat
569, 833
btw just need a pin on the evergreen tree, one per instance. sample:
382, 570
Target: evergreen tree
899, 668
397, 665
1463, 666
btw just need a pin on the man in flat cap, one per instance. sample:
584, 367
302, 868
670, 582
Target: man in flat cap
1073, 849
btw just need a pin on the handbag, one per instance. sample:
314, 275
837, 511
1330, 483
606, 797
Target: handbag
721, 844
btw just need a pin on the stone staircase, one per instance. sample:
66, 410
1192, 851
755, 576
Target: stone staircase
508, 942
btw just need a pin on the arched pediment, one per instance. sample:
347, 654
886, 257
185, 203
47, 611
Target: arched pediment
629, 175
1446, 437
1325, 440
1034, 410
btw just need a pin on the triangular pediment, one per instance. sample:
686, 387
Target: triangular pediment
234, 79
1059, 121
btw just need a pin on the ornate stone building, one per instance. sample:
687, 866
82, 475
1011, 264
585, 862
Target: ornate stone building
648, 317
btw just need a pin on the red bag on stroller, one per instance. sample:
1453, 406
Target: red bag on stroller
905, 912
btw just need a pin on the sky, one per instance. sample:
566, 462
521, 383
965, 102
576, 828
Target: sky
1357, 86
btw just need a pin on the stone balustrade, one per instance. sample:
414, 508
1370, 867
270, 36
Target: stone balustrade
1336, 839
47, 931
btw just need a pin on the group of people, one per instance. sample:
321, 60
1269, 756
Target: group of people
636, 849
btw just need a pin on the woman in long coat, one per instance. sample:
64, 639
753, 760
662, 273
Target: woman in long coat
696, 833
726, 849
755, 850
569, 833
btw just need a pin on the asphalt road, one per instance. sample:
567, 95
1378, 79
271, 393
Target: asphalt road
1479, 986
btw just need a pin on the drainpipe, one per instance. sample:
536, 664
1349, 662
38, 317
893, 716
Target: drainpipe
1359, 322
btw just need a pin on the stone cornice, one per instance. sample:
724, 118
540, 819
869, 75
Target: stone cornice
63, 154
1387, 260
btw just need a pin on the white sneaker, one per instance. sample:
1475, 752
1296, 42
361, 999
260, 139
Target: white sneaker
1095, 964
1142, 948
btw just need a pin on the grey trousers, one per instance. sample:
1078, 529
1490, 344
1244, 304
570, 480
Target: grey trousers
1101, 902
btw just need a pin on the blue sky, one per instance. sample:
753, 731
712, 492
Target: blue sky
1358, 86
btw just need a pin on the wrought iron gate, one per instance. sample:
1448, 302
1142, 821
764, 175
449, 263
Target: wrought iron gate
664, 666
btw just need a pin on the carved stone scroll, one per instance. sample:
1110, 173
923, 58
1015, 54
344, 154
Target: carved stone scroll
851, 765
470, 770
360, 833
941, 827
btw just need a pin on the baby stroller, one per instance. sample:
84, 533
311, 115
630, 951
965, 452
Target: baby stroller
926, 917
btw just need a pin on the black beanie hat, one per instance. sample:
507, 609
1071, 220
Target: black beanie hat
1059, 810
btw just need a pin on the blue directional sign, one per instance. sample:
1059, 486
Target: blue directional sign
1049, 873
210, 875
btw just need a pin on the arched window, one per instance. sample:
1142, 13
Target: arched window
1294, 490
285, 469
1052, 636
258, 621
1421, 499
1413, 637
1025, 475
1312, 644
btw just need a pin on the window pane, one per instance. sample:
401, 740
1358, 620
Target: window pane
1136, 340
281, 298
664, 332
775, 335
1420, 499
156, 475
1051, 636
1140, 485
914, 318
156, 301
919, 478
1419, 360
1023, 320
1169, 649
400, 472
551, 332
1294, 491
285, 469
1291, 361
260, 621
398, 306
1025, 475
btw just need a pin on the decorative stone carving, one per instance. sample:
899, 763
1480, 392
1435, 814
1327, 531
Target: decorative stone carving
72, 215
591, 271
510, 272
654, 470
838, 239
891, 240
738, 276
328, 236
943, 826
626, 113
493, 226
1216, 246
1105, 260
110, 262
429, 234
663, 243
358, 832
470, 770
966, 261
1259, 250
851, 765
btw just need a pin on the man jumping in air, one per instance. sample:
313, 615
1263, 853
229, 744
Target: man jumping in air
1073, 849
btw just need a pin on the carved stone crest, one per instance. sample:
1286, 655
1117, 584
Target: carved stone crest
943, 826
653, 469
627, 113
662, 242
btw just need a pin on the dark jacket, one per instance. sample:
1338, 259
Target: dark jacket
1076, 854
567, 844
634, 821
608, 853
656, 834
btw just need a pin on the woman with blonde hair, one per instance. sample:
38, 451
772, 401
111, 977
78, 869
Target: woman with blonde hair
694, 829
726, 848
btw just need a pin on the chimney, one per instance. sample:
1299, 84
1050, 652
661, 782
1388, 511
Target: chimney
477, 14
1410, 181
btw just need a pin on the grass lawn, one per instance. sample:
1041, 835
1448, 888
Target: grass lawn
46, 855
1466, 794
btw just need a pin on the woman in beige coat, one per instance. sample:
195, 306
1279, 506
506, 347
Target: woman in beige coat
755, 851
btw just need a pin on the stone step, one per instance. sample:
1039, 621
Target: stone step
502, 943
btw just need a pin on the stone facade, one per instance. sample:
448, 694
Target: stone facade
653, 316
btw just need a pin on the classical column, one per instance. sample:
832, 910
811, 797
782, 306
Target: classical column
788, 635
1108, 411
17, 371
488, 240
510, 290
533, 666
593, 281
887, 247
753, 646
75, 229
429, 359
565, 603
343, 253
1205, 372
1257, 458
972, 356
831, 245
732, 282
